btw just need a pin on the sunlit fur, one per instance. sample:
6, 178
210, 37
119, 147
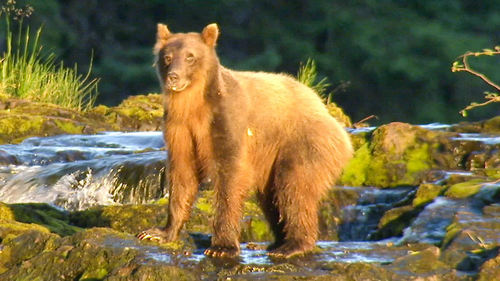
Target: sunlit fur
294, 153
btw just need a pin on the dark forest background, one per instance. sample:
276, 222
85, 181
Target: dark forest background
396, 54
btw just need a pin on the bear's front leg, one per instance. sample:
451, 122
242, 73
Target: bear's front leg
231, 186
183, 185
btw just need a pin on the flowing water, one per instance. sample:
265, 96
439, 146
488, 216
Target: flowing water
74, 172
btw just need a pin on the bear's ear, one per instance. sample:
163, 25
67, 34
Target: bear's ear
162, 32
210, 34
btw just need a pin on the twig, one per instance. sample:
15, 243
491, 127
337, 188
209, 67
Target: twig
358, 124
465, 66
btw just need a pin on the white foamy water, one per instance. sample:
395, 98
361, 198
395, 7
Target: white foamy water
75, 172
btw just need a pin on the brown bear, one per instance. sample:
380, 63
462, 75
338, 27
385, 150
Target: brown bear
246, 131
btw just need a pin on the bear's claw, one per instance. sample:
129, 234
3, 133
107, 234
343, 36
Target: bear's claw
154, 234
222, 252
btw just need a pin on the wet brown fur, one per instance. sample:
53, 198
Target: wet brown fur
246, 131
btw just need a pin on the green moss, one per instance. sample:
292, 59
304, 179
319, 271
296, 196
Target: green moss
417, 160
142, 107
394, 221
393, 157
5, 212
204, 202
464, 189
161, 201
339, 114
46, 216
260, 230
10, 229
14, 128
451, 232
127, 218
492, 173
355, 171
426, 193
377, 173
393, 215
69, 127
95, 274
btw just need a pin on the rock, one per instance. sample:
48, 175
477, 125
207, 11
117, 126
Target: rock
490, 270
331, 208
394, 221
426, 193
397, 154
93, 254
490, 126
136, 113
20, 119
464, 189
424, 265
126, 218
44, 215
473, 237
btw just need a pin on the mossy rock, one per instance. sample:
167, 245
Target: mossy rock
20, 119
394, 221
94, 254
397, 154
16, 250
10, 228
464, 189
490, 126
426, 193
338, 113
20, 218
424, 263
136, 113
490, 270
43, 214
360, 271
5, 212
23, 119
124, 218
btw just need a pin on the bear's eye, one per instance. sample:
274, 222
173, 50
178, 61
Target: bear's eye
168, 59
190, 58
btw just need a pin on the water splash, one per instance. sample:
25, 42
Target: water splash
79, 171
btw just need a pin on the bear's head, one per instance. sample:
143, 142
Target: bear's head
184, 60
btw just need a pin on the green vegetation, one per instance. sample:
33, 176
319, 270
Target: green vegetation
396, 54
28, 74
307, 75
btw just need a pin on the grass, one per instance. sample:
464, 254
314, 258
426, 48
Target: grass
307, 75
26, 73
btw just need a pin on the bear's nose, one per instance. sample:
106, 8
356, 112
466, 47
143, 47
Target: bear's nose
172, 77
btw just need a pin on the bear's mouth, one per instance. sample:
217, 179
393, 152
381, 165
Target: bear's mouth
175, 88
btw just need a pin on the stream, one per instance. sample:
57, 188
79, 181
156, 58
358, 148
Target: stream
75, 172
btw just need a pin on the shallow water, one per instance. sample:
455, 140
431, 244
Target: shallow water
485, 139
75, 172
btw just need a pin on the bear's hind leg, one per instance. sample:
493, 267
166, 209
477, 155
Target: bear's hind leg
298, 192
